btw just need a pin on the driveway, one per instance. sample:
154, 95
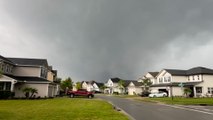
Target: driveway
151, 111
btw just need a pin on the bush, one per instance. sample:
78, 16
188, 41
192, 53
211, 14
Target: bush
115, 93
6, 94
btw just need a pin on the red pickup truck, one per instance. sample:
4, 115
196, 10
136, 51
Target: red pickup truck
80, 92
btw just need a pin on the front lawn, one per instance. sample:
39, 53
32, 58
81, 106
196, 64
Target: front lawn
58, 109
182, 101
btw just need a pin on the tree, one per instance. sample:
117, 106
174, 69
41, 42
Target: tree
121, 85
33, 91
28, 90
146, 83
78, 85
187, 92
66, 84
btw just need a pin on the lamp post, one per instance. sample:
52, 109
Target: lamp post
171, 91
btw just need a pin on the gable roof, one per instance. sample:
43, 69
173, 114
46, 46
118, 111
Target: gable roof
5, 59
199, 70
29, 61
176, 72
115, 80
136, 83
154, 74
100, 84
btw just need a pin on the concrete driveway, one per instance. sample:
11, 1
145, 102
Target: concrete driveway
151, 111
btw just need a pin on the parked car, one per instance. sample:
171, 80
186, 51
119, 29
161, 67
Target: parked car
80, 92
158, 94
145, 94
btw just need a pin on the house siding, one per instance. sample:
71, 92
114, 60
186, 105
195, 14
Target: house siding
27, 71
42, 89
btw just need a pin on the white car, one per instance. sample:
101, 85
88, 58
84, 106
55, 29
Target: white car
158, 94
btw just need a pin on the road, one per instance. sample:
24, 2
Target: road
151, 111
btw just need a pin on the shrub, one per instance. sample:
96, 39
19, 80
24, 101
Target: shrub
6, 94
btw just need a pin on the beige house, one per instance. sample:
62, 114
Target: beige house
134, 88
19, 73
173, 81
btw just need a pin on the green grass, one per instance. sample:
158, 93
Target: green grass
59, 109
182, 101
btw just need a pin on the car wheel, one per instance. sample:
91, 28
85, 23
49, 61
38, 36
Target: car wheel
71, 95
89, 96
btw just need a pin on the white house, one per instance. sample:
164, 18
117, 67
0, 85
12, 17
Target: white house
173, 81
92, 86
151, 76
113, 86
134, 88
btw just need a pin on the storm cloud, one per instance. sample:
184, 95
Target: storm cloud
99, 39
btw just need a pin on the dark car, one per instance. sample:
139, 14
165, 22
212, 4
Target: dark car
145, 94
80, 92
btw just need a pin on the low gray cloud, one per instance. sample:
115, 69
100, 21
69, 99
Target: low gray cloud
99, 39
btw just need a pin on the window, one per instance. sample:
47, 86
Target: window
198, 89
165, 79
169, 79
193, 77
160, 80
1, 85
198, 78
210, 90
5, 85
188, 78
8, 85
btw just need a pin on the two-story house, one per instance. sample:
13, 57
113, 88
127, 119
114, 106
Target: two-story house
173, 81
92, 86
113, 86
6, 68
151, 76
19, 73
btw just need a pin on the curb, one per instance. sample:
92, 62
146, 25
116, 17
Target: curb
121, 110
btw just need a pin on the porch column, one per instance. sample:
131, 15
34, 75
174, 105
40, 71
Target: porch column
169, 91
194, 90
13, 82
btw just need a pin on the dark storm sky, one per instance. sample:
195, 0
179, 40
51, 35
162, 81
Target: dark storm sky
99, 39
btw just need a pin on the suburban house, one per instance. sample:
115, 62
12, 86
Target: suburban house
19, 73
92, 86
134, 88
173, 81
151, 76
113, 86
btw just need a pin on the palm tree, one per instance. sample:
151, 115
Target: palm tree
33, 91
187, 92
29, 90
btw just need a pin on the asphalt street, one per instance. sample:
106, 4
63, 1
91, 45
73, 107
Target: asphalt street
152, 111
